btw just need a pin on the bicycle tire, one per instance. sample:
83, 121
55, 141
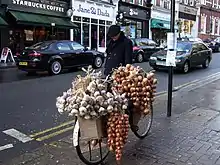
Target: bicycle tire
142, 136
83, 159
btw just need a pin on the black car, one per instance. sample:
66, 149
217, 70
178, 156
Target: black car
213, 44
53, 56
189, 54
143, 48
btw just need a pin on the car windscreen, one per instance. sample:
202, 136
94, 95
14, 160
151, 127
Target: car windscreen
183, 46
40, 46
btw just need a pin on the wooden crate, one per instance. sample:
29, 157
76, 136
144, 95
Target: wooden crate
91, 129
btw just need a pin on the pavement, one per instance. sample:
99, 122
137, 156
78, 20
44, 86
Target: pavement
29, 118
191, 136
7, 65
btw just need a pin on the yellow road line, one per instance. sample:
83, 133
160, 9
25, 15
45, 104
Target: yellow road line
54, 134
53, 128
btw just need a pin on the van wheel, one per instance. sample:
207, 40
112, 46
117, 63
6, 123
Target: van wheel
55, 67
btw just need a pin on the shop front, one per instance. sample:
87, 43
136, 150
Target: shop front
32, 21
93, 20
188, 23
160, 25
136, 20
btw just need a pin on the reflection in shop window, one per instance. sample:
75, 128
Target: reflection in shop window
77, 33
101, 36
86, 19
75, 18
85, 35
108, 22
29, 35
101, 22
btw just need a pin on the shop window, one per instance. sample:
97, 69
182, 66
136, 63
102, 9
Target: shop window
85, 35
109, 23
101, 22
166, 4
101, 36
78, 19
29, 35
94, 21
86, 19
203, 24
216, 26
63, 46
77, 33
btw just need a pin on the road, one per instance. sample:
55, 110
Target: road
27, 104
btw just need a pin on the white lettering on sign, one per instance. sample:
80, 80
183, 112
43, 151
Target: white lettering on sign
38, 5
187, 9
132, 12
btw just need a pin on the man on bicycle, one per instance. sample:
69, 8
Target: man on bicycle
119, 50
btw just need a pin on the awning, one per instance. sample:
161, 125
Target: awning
3, 22
37, 19
161, 24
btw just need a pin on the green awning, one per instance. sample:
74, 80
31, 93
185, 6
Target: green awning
3, 22
161, 24
37, 19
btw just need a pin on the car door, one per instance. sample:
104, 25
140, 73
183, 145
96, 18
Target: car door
81, 54
143, 43
65, 52
205, 53
194, 55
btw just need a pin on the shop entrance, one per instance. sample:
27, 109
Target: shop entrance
93, 37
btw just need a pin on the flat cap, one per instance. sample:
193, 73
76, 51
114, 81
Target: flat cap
114, 30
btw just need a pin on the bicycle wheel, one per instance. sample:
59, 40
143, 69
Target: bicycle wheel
85, 150
142, 128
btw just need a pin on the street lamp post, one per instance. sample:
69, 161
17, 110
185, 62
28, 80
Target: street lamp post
170, 74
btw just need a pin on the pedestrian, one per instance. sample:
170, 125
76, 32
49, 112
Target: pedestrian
119, 50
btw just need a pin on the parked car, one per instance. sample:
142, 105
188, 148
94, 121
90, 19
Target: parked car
143, 48
189, 54
213, 44
54, 56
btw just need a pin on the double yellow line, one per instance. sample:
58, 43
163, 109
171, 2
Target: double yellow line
54, 131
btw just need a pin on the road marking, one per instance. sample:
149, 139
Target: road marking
54, 134
17, 135
53, 128
7, 146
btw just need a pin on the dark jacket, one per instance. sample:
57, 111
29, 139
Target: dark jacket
118, 53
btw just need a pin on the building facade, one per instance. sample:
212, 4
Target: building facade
32, 21
209, 22
136, 17
186, 19
93, 20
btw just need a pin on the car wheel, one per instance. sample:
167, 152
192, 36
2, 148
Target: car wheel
98, 62
140, 57
206, 63
55, 68
185, 67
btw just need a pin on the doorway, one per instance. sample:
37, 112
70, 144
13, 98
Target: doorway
94, 37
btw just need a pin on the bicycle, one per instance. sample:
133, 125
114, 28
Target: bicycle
102, 157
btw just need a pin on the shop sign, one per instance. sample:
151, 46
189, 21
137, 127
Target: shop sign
136, 13
39, 4
93, 11
160, 16
187, 10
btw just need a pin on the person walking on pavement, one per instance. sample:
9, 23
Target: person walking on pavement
119, 50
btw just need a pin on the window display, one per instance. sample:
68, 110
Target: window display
85, 34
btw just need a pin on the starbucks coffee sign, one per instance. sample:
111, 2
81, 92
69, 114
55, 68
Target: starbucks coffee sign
41, 4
